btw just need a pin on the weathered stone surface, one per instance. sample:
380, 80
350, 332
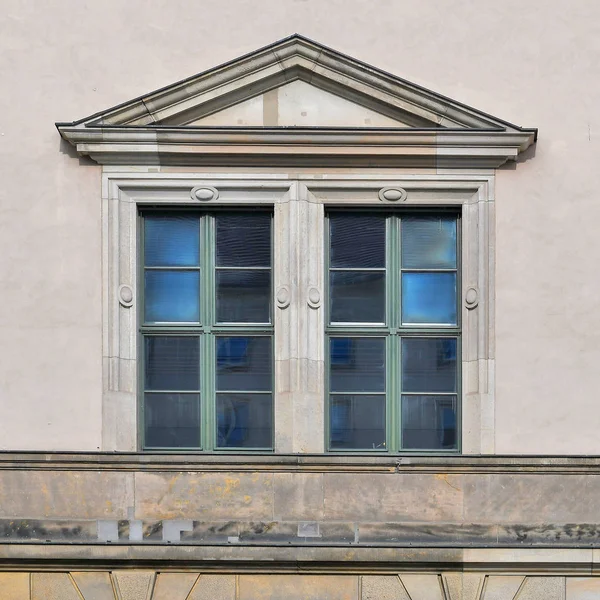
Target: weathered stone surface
214, 587
423, 587
394, 497
427, 533
500, 587
94, 585
68, 494
548, 534
298, 496
383, 587
530, 499
14, 586
198, 496
134, 585
582, 588
52, 586
298, 587
211, 531
543, 588
173, 586
462, 586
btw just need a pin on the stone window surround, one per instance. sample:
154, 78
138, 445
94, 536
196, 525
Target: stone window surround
299, 202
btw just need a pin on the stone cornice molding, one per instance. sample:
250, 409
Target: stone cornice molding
434, 131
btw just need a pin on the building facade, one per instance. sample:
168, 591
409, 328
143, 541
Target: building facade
296, 327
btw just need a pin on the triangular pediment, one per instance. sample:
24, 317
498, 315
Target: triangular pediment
291, 88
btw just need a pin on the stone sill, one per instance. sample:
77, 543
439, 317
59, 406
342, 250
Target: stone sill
310, 463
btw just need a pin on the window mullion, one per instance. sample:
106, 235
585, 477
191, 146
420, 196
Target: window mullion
208, 311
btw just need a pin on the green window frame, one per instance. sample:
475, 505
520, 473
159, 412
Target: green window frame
393, 378
205, 342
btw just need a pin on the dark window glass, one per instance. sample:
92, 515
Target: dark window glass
243, 240
429, 422
172, 420
357, 364
357, 296
244, 420
357, 421
357, 240
429, 365
243, 296
244, 363
172, 363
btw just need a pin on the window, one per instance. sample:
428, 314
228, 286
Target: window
206, 330
393, 329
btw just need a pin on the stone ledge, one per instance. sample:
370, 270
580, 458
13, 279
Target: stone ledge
312, 463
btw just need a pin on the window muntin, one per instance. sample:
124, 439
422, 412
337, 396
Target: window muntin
206, 373
413, 403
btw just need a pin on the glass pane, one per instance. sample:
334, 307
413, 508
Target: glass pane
428, 243
357, 422
357, 240
244, 363
429, 422
172, 241
244, 240
429, 298
172, 363
429, 364
357, 297
244, 420
172, 296
172, 420
243, 296
357, 364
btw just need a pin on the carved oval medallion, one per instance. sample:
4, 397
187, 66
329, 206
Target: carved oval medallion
204, 193
392, 194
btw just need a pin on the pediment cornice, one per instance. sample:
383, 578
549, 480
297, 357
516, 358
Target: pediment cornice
433, 130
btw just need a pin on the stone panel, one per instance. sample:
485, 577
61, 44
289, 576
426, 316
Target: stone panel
298, 496
14, 586
53, 586
462, 586
423, 587
134, 585
214, 587
394, 497
298, 587
94, 585
525, 498
500, 587
67, 494
173, 586
383, 587
204, 496
543, 588
582, 588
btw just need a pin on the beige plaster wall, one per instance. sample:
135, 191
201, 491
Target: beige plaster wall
533, 63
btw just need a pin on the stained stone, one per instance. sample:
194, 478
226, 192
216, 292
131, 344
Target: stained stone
94, 586
501, 587
543, 588
53, 586
423, 587
383, 587
173, 586
14, 586
462, 586
213, 587
134, 585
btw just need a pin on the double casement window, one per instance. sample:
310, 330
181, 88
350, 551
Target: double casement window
393, 331
206, 330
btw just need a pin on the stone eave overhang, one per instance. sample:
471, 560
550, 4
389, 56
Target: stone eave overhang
318, 147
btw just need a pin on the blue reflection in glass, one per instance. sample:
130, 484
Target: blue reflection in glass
429, 298
172, 296
172, 241
428, 242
